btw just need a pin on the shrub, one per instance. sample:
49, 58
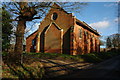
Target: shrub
91, 58
4, 53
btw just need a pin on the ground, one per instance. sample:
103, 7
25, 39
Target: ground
53, 67
108, 70
60, 66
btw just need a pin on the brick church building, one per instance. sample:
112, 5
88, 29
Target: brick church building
61, 32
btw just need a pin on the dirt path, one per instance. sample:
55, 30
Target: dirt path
108, 70
55, 68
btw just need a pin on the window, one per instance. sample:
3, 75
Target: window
34, 47
54, 16
86, 33
92, 36
80, 33
33, 42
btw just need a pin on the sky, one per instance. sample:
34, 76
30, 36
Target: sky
102, 16
64, 0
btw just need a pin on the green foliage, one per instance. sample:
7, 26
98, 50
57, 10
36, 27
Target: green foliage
6, 29
104, 55
4, 53
91, 58
99, 57
58, 56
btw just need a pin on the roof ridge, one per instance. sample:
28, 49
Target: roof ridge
88, 26
59, 7
31, 34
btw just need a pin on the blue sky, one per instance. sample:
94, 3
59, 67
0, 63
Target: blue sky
65, 0
101, 16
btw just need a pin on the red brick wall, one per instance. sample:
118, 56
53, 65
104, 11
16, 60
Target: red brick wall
53, 40
29, 41
86, 44
64, 21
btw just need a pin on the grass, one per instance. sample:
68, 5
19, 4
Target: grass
32, 69
98, 57
23, 71
56, 56
90, 57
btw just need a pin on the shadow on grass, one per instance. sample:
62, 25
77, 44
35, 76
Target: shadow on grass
58, 67
23, 72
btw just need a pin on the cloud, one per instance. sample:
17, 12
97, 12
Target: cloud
117, 19
110, 4
100, 24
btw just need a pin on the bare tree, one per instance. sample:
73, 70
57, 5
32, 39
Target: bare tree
113, 41
108, 42
29, 11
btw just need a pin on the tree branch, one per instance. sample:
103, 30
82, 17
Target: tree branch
37, 17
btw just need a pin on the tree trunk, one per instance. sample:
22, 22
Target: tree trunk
20, 33
19, 40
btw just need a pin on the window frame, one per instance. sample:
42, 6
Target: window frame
80, 33
54, 16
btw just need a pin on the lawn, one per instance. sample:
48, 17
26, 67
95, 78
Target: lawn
33, 68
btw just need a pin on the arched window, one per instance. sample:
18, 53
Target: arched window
33, 47
80, 33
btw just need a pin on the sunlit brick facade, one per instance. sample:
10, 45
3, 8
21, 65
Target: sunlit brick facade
61, 32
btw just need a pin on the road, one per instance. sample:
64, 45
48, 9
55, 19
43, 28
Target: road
107, 70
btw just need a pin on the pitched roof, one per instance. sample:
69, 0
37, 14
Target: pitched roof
82, 22
87, 26
56, 6
32, 34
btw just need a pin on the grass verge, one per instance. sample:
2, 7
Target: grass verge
32, 69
